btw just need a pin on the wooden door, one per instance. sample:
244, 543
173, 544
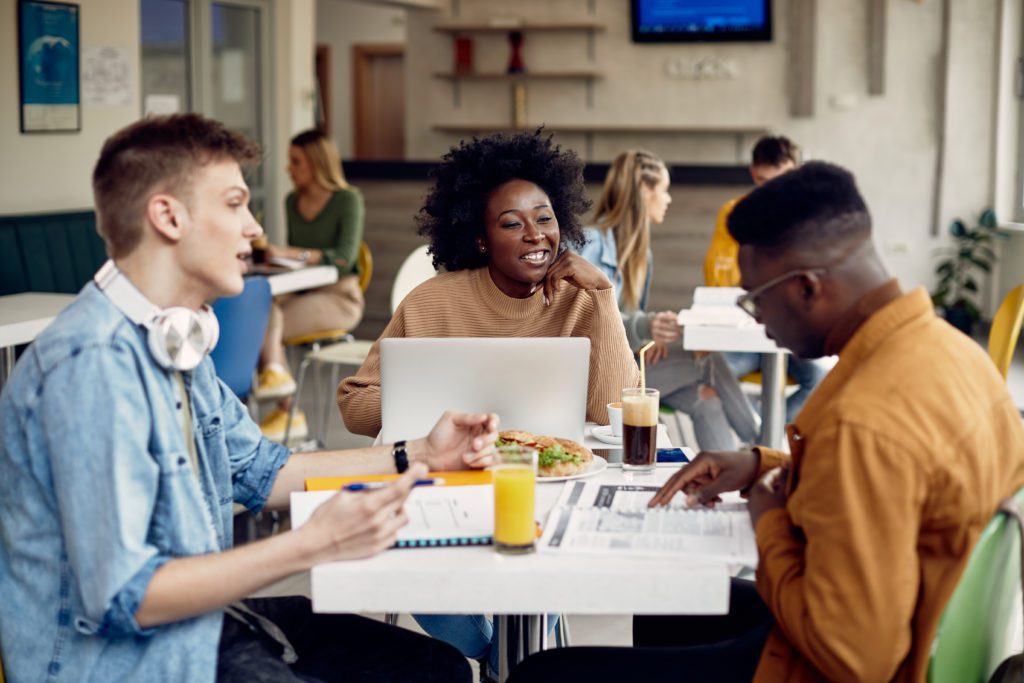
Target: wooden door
379, 101
323, 88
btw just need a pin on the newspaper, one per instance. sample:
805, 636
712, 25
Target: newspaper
613, 519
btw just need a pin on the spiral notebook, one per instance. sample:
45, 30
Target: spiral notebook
438, 515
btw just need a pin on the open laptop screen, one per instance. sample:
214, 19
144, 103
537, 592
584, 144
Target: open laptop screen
537, 384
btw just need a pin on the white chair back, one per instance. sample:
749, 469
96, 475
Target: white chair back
418, 267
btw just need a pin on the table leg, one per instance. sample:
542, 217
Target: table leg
6, 364
508, 644
773, 404
520, 636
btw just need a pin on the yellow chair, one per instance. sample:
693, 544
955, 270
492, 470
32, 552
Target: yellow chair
1002, 338
416, 268
315, 341
364, 263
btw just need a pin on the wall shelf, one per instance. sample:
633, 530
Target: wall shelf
601, 128
526, 76
738, 133
505, 27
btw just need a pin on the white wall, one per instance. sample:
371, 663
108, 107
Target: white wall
51, 171
1010, 270
293, 109
341, 24
890, 142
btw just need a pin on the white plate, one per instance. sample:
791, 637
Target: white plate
596, 465
604, 433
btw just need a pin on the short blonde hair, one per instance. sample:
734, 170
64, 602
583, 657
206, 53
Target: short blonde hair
323, 158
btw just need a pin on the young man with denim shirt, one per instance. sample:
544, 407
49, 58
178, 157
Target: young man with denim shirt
120, 472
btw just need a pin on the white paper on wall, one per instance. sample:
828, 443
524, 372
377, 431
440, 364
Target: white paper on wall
106, 76
161, 105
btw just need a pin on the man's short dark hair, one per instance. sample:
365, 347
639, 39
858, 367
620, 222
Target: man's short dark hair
156, 154
816, 204
775, 151
452, 217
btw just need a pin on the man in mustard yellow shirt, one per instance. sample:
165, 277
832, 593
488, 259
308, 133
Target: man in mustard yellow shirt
772, 156
897, 463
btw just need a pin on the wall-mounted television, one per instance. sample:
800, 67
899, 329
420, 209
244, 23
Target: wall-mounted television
701, 21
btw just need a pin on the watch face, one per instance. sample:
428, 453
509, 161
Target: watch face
401, 457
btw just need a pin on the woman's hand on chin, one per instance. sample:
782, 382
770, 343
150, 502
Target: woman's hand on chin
577, 271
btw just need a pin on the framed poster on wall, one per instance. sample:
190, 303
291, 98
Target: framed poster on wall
48, 66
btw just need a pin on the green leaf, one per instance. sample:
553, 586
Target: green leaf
986, 253
944, 268
987, 219
984, 265
957, 228
971, 286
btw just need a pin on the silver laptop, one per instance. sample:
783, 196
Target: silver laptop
538, 384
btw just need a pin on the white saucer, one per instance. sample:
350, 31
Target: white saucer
604, 433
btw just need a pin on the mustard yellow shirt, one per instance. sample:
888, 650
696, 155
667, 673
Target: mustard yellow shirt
721, 267
899, 460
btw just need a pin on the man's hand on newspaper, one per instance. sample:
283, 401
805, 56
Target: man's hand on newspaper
767, 494
710, 473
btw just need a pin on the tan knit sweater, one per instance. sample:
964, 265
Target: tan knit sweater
467, 303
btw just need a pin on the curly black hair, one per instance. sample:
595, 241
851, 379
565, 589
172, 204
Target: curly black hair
452, 216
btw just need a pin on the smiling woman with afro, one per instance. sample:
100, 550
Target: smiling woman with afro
452, 217
500, 216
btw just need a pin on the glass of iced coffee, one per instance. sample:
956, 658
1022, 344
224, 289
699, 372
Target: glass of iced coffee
639, 429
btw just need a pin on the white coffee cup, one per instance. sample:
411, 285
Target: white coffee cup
615, 418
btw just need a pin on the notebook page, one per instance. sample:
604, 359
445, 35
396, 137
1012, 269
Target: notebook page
452, 513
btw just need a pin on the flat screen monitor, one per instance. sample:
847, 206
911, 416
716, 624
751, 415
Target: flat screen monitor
700, 21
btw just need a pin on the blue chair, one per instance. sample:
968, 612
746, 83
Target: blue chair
243, 322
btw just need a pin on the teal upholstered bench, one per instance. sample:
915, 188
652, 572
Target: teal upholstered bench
56, 252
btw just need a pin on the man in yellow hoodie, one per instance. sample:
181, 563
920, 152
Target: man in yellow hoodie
897, 462
772, 156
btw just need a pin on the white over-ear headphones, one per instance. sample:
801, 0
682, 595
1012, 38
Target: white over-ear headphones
179, 338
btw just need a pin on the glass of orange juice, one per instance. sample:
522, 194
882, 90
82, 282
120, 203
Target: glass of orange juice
515, 480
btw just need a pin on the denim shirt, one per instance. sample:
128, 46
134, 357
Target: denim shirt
98, 491
602, 251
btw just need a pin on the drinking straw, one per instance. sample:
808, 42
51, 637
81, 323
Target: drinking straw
643, 370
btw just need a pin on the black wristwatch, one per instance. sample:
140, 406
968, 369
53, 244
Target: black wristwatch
401, 457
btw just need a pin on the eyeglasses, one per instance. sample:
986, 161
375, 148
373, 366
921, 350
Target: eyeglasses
748, 302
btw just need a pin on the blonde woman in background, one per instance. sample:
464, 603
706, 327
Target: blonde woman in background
325, 226
636, 195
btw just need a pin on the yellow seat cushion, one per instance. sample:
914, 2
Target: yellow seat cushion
755, 378
318, 336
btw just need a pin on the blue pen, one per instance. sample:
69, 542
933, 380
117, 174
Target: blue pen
371, 485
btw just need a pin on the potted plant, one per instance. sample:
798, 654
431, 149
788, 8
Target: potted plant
957, 288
